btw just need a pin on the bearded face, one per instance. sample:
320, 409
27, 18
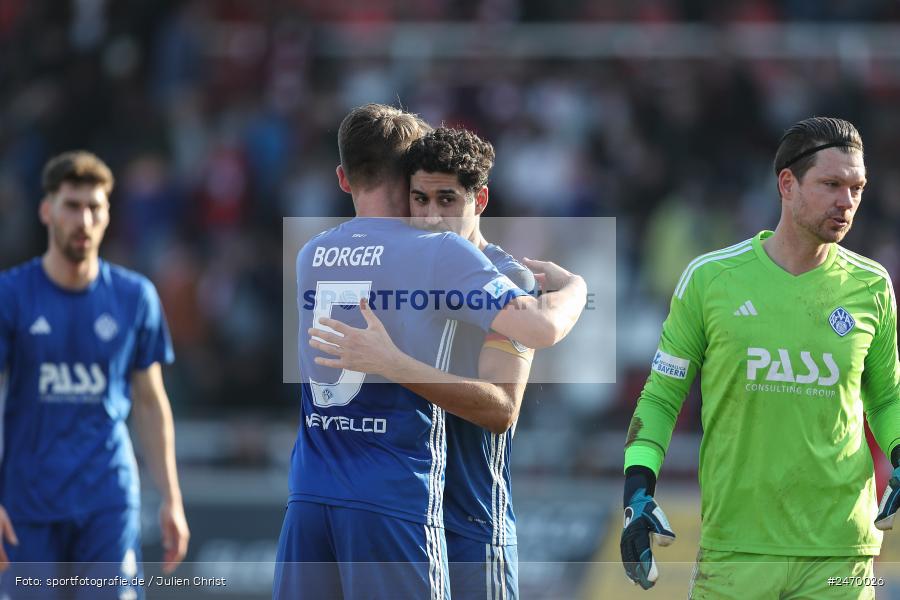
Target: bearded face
76, 216
824, 203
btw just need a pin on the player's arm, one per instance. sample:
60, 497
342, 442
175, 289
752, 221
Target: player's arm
6, 528
509, 365
7, 327
491, 402
156, 430
881, 400
544, 321
535, 323
676, 362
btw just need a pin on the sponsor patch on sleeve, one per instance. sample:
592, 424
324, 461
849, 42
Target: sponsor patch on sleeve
670, 366
498, 286
505, 344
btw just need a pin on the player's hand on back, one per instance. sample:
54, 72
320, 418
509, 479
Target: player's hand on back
7, 533
369, 350
549, 275
175, 534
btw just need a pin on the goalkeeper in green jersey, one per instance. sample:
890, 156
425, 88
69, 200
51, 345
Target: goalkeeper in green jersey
795, 339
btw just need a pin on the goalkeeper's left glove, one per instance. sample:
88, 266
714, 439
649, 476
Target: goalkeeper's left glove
890, 501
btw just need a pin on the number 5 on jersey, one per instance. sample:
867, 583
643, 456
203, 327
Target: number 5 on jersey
344, 293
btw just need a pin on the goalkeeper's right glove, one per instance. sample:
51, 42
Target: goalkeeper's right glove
645, 523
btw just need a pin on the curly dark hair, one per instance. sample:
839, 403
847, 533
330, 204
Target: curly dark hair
456, 151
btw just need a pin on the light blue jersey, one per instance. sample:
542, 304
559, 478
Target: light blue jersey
478, 495
365, 443
68, 357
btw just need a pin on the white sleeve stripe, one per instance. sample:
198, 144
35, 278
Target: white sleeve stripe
445, 365
439, 360
857, 263
857, 260
708, 254
679, 291
863, 259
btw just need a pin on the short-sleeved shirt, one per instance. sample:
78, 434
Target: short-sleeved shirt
363, 442
67, 357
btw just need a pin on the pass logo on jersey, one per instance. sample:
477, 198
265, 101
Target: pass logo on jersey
783, 367
76, 382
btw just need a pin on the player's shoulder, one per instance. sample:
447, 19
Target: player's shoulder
14, 286
359, 230
864, 269
507, 264
706, 267
14, 275
449, 242
125, 280
322, 236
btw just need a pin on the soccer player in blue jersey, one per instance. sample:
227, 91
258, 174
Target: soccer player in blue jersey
449, 171
81, 342
367, 468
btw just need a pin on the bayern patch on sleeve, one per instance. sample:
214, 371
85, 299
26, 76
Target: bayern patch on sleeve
670, 366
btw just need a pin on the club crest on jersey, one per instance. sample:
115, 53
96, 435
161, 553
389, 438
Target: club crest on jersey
105, 327
841, 321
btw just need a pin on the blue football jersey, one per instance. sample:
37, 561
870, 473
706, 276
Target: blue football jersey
67, 357
478, 494
363, 442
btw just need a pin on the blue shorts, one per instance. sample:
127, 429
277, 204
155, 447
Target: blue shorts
100, 546
330, 552
479, 570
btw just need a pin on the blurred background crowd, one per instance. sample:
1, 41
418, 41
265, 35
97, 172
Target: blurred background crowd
219, 118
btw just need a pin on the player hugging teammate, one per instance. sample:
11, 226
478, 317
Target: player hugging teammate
369, 507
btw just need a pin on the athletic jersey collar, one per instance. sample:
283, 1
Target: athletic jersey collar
378, 221
776, 270
101, 273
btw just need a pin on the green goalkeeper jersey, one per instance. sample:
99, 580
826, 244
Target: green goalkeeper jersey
790, 366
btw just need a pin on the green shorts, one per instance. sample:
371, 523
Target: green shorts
741, 575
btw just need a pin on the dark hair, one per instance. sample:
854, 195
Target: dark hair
456, 151
78, 167
372, 140
799, 145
